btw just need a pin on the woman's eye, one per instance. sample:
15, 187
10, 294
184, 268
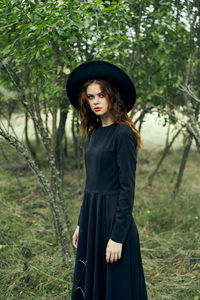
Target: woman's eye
101, 95
90, 97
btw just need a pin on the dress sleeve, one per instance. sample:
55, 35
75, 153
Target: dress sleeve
79, 218
80, 213
126, 161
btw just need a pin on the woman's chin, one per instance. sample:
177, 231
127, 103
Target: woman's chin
98, 113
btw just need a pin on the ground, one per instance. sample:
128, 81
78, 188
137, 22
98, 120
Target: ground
31, 266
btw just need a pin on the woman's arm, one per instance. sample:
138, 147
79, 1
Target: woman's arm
79, 218
126, 161
80, 213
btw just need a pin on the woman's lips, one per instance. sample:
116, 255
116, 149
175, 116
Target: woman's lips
97, 108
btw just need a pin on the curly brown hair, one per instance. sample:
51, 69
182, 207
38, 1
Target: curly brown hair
116, 107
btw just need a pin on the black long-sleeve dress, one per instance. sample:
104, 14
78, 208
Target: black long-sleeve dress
106, 212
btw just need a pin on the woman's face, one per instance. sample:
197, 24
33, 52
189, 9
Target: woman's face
96, 99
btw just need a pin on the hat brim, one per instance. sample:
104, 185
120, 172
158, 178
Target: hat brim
105, 71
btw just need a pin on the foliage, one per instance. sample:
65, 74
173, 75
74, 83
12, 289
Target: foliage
43, 39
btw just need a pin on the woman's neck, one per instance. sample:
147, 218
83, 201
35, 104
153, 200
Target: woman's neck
105, 121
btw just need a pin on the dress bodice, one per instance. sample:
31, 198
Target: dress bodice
101, 160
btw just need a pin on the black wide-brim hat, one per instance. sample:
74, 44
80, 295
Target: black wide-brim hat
105, 71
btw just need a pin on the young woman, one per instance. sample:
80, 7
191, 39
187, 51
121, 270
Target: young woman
108, 261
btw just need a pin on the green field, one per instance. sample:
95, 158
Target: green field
30, 256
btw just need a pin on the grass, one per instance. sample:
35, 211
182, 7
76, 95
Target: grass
30, 256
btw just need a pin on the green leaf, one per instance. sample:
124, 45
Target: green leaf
37, 54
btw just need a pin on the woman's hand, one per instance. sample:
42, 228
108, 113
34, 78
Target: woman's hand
113, 251
75, 237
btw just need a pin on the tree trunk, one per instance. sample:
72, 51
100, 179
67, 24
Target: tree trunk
36, 135
167, 136
141, 122
74, 134
59, 147
66, 146
46, 114
182, 167
165, 152
28, 143
54, 131
56, 184
143, 113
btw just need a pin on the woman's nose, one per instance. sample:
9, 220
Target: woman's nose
96, 99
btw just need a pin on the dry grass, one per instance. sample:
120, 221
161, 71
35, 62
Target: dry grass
169, 230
